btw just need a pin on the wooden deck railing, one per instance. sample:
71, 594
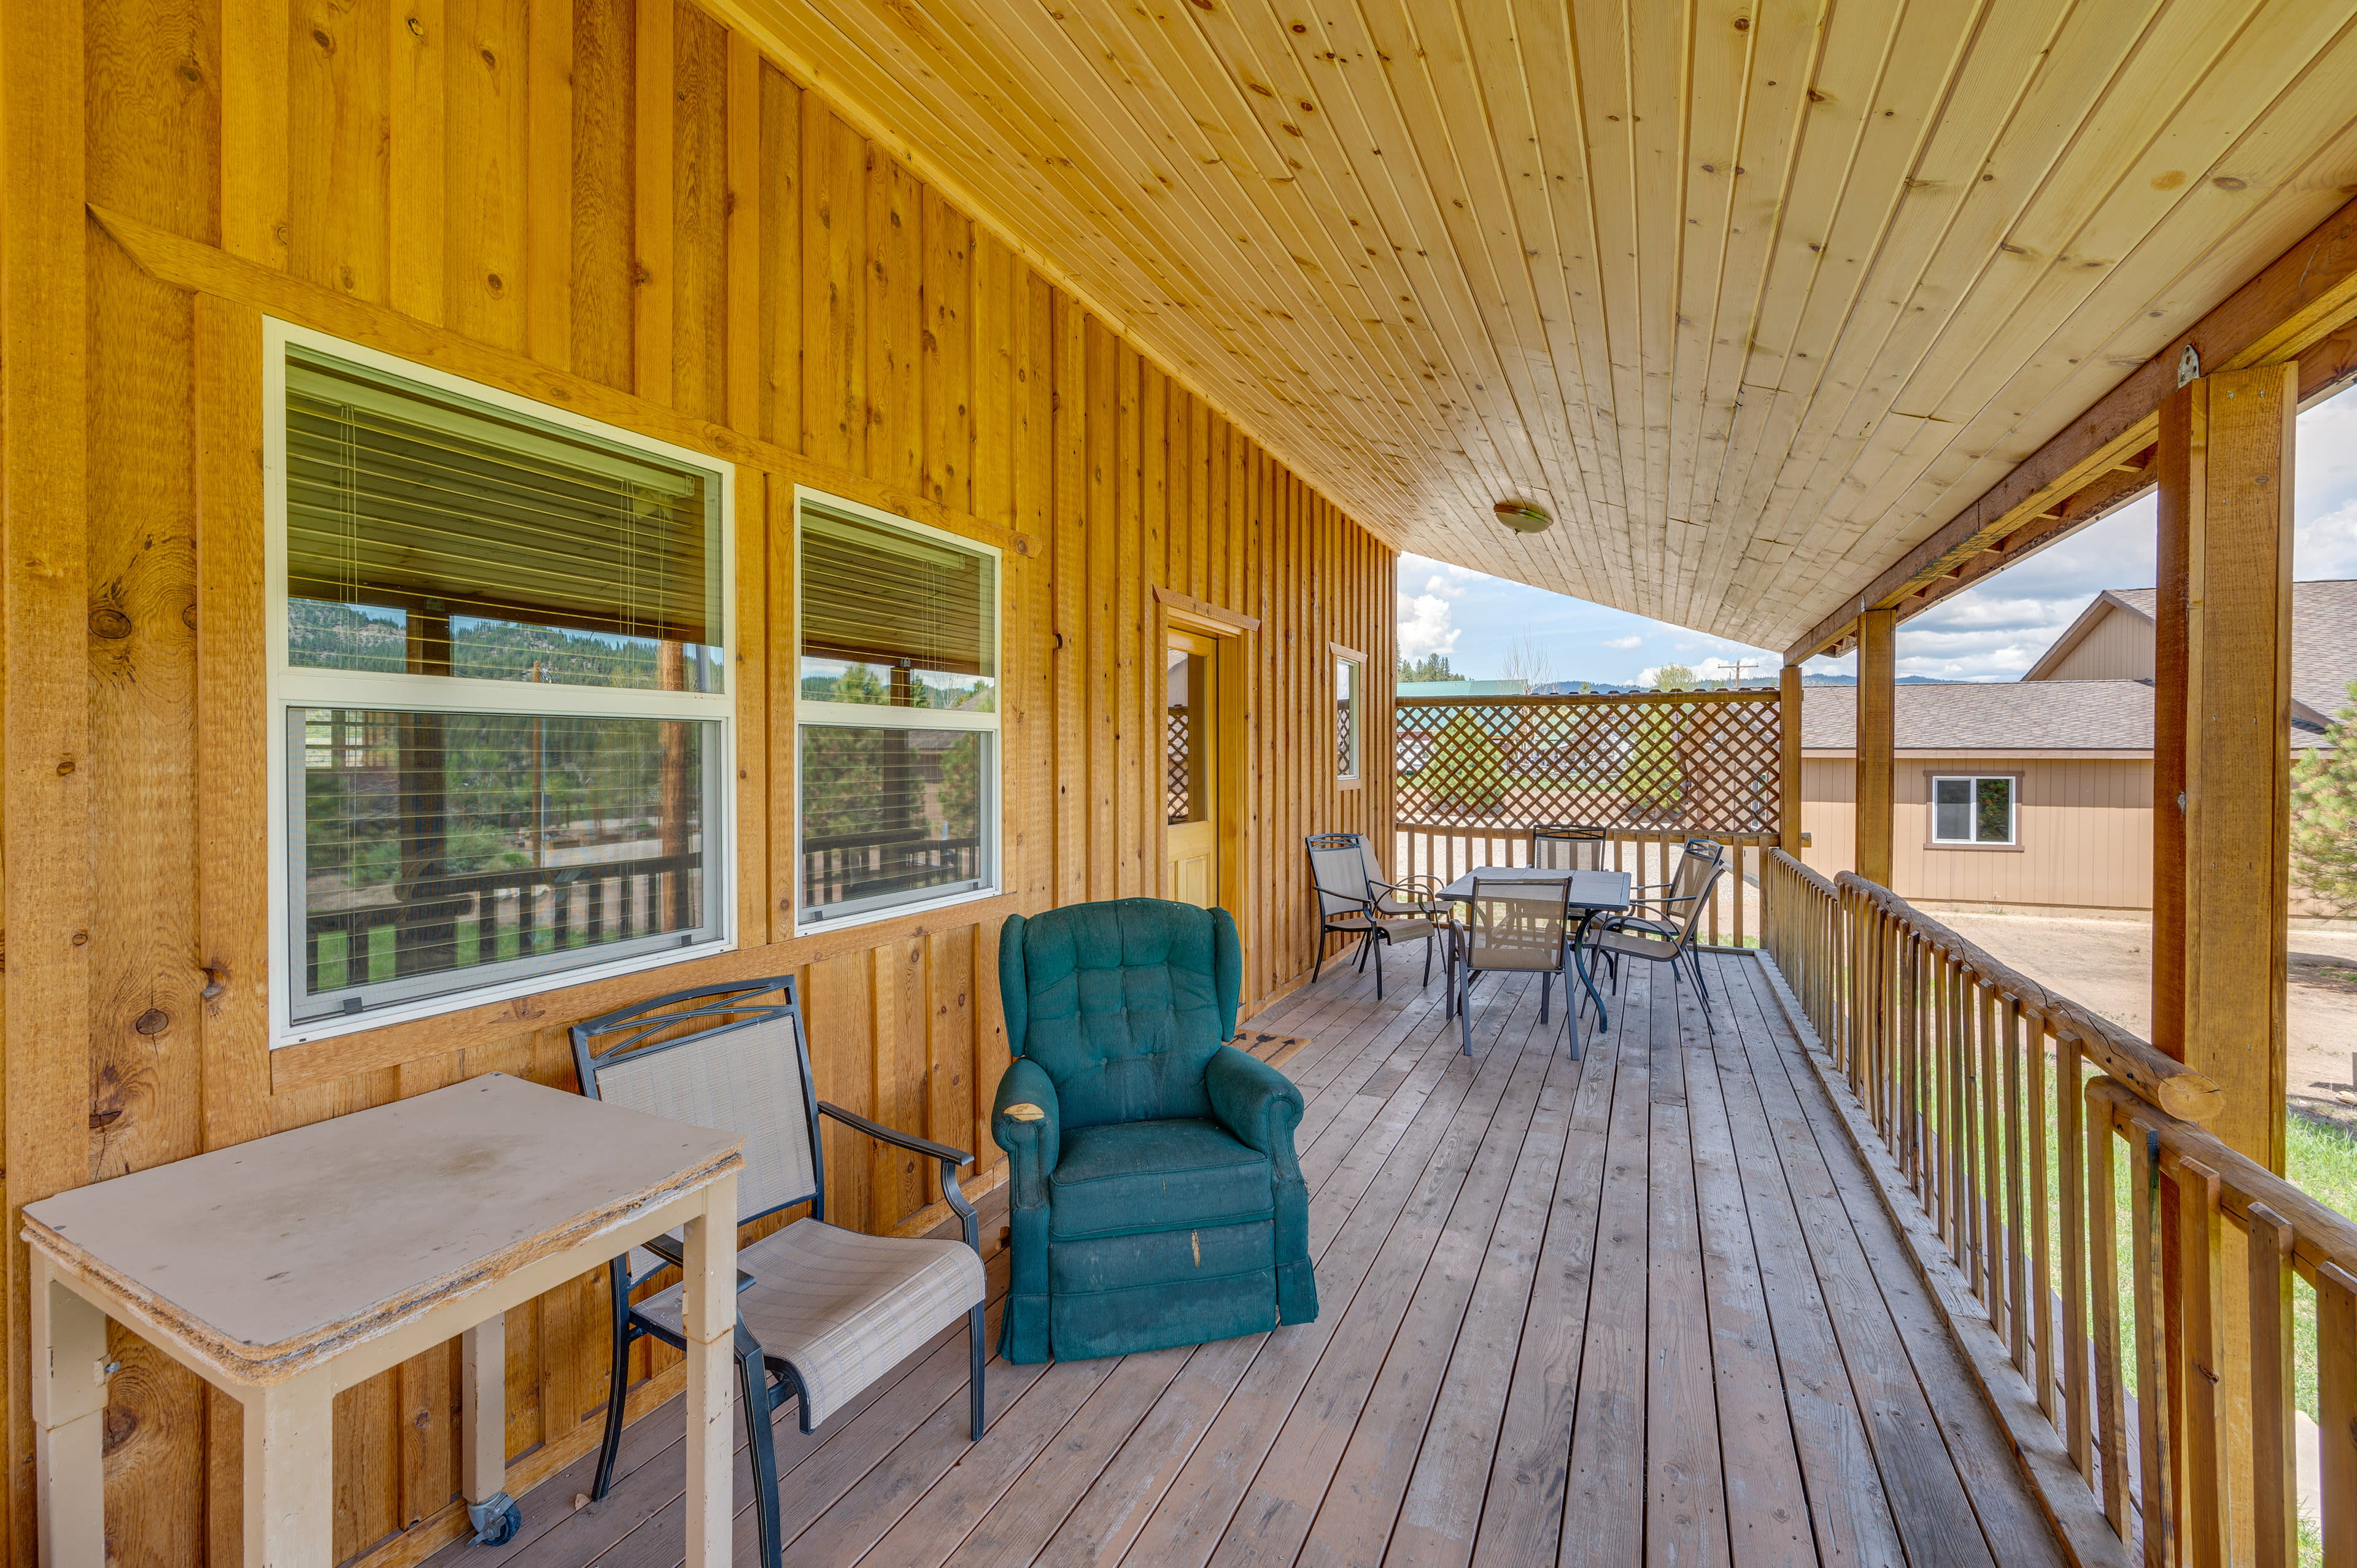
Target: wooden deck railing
1998, 1099
1732, 918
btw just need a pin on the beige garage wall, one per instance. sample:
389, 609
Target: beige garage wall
2084, 827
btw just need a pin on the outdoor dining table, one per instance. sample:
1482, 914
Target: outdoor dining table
1593, 893
285, 1270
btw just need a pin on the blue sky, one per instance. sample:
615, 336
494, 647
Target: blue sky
1992, 632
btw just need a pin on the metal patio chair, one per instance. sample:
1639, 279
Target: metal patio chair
1513, 926
1662, 929
821, 1312
1354, 899
1561, 847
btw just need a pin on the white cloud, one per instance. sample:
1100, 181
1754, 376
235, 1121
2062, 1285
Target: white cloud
1424, 625
1623, 643
2326, 546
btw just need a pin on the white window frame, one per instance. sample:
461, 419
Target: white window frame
1358, 664
290, 686
2012, 811
870, 716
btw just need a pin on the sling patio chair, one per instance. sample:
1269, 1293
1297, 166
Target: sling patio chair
1354, 899
1559, 847
1663, 930
1513, 926
822, 1311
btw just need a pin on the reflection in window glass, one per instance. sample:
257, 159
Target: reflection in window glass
428, 534
1346, 718
1972, 810
435, 852
891, 814
893, 619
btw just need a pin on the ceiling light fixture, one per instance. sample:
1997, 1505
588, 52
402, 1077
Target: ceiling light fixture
1523, 517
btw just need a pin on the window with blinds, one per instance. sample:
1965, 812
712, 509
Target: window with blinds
501, 694
897, 710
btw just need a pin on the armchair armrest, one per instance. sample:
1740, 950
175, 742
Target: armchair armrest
1025, 1123
1256, 1103
950, 1159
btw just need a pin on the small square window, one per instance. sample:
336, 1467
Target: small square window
1978, 811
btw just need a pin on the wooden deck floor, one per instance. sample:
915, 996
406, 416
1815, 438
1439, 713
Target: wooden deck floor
1640, 1308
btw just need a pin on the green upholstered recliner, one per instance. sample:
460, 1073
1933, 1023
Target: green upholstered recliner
1155, 1195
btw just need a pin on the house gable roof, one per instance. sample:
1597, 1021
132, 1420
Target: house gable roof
2323, 641
1992, 716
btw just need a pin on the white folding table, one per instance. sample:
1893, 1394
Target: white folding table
287, 1269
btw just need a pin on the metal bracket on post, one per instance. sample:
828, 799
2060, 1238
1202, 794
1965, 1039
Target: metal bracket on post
2188, 366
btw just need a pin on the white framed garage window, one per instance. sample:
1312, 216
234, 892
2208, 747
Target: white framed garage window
500, 730
1975, 809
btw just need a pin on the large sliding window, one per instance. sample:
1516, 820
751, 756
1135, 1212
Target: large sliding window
897, 711
501, 723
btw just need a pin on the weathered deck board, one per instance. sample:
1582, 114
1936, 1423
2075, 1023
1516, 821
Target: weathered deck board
1637, 1308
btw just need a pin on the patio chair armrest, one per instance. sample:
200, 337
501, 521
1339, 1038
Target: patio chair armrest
1026, 1122
1256, 1103
907, 1140
672, 1252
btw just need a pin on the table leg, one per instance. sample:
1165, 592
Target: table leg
290, 1491
708, 1317
69, 1420
483, 1431
1579, 963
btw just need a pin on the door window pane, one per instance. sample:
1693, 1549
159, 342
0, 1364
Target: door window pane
1185, 752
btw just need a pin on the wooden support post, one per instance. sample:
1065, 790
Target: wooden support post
2221, 711
2222, 770
1788, 710
1878, 670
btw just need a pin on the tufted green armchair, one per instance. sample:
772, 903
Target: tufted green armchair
1154, 1190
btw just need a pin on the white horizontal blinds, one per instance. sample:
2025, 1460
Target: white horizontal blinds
891, 619
430, 534
435, 852
892, 815
1972, 810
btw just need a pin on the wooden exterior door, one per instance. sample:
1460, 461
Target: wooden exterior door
1190, 773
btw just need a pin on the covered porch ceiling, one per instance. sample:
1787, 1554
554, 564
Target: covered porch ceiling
1752, 295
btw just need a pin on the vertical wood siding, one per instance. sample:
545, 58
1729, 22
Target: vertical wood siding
603, 194
2084, 827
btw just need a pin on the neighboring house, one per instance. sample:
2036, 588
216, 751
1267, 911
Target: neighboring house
2113, 641
2038, 792
2005, 793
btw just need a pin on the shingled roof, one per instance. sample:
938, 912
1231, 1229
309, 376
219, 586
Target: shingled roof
2000, 715
2323, 639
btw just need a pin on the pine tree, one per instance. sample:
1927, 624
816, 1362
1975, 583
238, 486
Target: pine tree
2324, 817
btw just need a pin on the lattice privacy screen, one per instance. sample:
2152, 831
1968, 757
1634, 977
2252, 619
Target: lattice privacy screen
1699, 763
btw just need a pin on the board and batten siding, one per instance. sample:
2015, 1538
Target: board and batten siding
2119, 646
623, 210
2085, 829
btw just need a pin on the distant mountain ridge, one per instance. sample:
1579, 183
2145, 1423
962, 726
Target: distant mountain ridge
1616, 688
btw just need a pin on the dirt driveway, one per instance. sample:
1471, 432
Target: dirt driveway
2107, 965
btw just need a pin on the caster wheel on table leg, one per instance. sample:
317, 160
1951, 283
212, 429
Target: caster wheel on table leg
495, 1521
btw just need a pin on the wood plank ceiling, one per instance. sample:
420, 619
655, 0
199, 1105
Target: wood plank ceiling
1751, 294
